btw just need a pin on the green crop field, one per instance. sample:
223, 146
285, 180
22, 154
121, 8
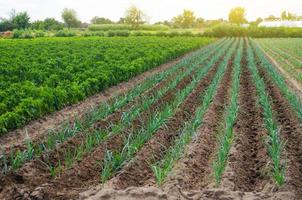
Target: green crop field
40, 76
222, 120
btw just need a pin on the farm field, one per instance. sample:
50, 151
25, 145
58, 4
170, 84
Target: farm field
287, 53
218, 123
41, 76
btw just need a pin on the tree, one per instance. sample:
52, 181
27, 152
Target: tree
101, 20
134, 16
272, 18
186, 20
48, 24
21, 20
199, 22
237, 15
284, 15
257, 22
15, 21
70, 19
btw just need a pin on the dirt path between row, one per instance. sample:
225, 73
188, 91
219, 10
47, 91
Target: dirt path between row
246, 170
192, 171
138, 172
291, 132
35, 175
294, 84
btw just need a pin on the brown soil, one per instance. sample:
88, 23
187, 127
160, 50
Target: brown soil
291, 82
152, 193
291, 132
88, 171
191, 171
38, 128
248, 157
138, 171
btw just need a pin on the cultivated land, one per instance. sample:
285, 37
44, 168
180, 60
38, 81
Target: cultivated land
218, 123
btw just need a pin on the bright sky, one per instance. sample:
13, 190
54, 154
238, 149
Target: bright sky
156, 9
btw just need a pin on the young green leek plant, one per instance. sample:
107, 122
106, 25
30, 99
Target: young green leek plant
279, 80
18, 157
275, 145
115, 160
226, 138
127, 118
163, 167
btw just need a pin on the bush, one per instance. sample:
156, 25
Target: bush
146, 27
257, 32
65, 33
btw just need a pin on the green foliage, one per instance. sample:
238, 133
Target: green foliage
252, 31
71, 69
186, 20
226, 139
49, 24
65, 33
70, 19
101, 20
134, 17
275, 144
145, 27
16, 21
237, 15
162, 168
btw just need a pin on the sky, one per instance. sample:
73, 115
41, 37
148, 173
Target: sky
156, 10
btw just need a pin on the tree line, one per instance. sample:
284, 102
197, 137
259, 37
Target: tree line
134, 17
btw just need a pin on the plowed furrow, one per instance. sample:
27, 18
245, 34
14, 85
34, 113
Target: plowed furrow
291, 132
138, 172
191, 171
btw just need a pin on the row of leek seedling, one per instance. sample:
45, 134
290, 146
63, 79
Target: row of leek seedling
291, 69
227, 137
113, 161
163, 167
274, 143
98, 136
278, 79
16, 158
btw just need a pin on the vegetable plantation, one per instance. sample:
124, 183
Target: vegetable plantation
221, 122
40, 76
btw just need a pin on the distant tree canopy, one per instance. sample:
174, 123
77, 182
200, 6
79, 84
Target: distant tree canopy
16, 21
272, 18
186, 20
134, 16
237, 15
101, 20
48, 24
70, 18
256, 22
289, 16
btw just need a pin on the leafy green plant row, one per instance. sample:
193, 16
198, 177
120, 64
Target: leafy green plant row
279, 80
91, 140
226, 138
17, 157
163, 167
43, 75
287, 61
115, 160
274, 143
